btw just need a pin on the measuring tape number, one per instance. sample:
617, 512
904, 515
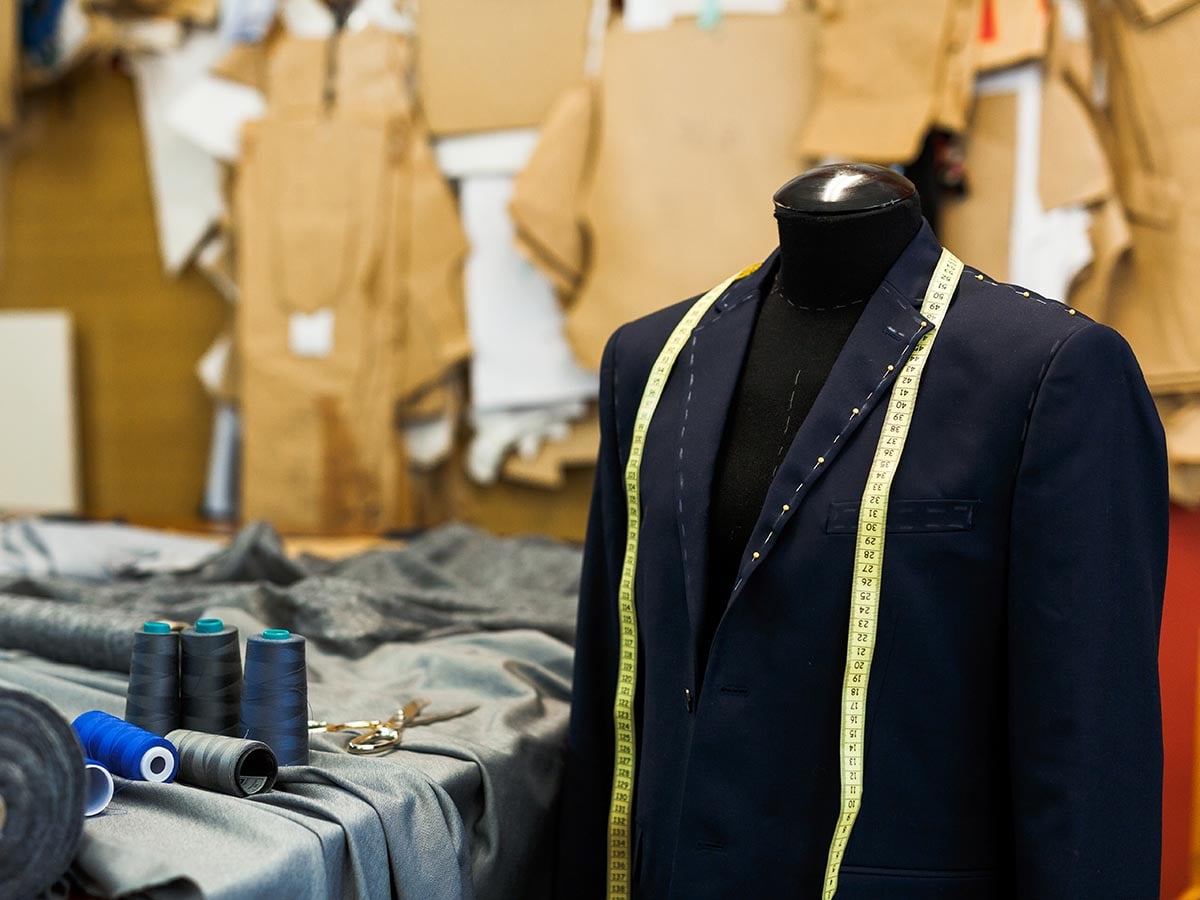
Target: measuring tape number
868, 566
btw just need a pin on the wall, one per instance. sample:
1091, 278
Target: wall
78, 234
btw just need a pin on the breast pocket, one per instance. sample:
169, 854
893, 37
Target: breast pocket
908, 516
866, 883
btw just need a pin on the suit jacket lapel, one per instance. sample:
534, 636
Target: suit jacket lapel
709, 367
861, 378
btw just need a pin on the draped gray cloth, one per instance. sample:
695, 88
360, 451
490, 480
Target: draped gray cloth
462, 810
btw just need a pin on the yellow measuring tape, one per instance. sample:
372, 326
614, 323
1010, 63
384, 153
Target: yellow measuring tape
620, 814
868, 565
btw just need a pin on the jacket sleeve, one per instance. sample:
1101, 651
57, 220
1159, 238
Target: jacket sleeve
1087, 566
587, 785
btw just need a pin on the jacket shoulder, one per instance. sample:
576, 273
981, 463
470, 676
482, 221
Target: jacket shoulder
637, 343
1012, 322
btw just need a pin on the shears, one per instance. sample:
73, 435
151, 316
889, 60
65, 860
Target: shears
375, 736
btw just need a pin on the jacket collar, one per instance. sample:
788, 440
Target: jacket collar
872, 357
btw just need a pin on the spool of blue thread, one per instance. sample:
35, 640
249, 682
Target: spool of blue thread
125, 749
211, 678
275, 695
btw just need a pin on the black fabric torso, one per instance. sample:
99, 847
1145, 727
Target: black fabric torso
829, 267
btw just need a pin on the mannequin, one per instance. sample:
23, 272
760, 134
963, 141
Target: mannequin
840, 229
1012, 721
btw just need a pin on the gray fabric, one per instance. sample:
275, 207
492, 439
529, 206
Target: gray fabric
452, 580
98, 550
462, 811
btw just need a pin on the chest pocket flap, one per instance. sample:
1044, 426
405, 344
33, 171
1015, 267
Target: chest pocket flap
908, 516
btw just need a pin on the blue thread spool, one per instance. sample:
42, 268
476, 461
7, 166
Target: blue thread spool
211, 678
152, 698
275, 695
125, 749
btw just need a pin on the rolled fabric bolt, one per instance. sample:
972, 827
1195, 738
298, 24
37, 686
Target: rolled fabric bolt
152, 698
42, 786
211, 678
99, 789
229, 765
125, 749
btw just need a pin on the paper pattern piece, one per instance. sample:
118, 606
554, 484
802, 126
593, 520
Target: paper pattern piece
484, 65
669, 173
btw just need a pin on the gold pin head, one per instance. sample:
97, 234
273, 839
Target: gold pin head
786, 507
820, 459
756, 554
854, 412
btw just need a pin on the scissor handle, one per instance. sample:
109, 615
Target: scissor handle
377, 740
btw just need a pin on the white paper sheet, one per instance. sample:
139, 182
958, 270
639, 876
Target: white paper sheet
185, 179
498, 433
485, 153
213, 365
246, 21
1047, 248
221, 486
307, 18
521, 356
39, 464
646, 15
429, 443
311, 334
210, 113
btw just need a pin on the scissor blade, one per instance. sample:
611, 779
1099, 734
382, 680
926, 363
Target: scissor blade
441, 717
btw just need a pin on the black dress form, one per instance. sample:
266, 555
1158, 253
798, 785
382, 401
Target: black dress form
840, 229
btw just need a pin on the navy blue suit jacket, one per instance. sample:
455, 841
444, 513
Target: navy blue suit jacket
1014, 743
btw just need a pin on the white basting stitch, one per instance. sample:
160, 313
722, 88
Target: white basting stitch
822, 308
682, 432
857, 411
1028, 295
787, 423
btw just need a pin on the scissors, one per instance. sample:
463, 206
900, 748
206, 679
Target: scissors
374, 736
